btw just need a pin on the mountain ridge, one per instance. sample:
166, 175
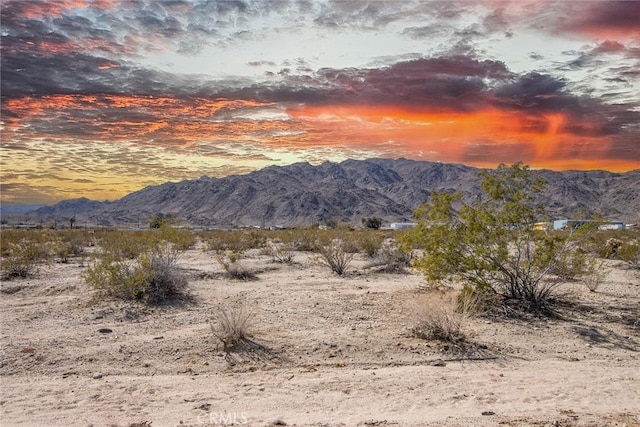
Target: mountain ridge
302, 194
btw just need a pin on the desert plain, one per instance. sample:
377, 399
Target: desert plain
324, 350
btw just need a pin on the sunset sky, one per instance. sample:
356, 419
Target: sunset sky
101, 98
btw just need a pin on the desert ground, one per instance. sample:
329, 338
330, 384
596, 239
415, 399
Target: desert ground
325, 350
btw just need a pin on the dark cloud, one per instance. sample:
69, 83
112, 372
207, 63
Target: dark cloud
606, 15
262, 64
427, 31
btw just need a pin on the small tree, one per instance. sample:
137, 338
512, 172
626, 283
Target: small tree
161, 220
373, 223
490, 244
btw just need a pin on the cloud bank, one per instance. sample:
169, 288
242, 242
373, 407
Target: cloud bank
94, 102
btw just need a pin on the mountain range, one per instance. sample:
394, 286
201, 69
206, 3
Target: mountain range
302, 194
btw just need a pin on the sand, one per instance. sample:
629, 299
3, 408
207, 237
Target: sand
325, 351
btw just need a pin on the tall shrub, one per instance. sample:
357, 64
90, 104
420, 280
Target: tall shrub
490, 244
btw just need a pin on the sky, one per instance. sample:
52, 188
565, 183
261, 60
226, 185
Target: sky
102, 98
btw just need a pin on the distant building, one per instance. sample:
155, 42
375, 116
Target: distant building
613, 225
542, 226
565, 224
401, 225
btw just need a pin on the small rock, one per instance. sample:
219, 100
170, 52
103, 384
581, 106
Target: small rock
105, 330
97, 375
438, 362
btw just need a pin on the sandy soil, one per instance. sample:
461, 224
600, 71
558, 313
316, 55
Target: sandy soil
326, 351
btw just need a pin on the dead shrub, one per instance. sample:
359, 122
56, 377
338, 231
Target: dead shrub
232, 325
281, 252
391, 258
594, 274
335, 256
440, 320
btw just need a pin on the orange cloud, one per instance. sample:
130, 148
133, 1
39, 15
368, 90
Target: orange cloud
481, 138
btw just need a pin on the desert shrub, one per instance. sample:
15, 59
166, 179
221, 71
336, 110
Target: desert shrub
255, 239
350, 243
611, 248
630, 252
153, 276
281, 252
569, 266
490, 244
391, 258
216, 240
78, 240
66, 244
370, 243
62, 250
594, 274
230, 261
183, 239
304, 240
231, 326
441, 324
24, 252
237, 240
125, 244
335, 257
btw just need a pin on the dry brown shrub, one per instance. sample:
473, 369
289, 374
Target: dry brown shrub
233, 267
442, 316
232, 325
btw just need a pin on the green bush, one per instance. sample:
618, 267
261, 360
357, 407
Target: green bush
630, 252
24, 252
370, 243
125, 244
373, 222
152, 276
237, 240
491, 244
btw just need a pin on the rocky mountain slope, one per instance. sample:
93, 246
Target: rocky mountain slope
302, 194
